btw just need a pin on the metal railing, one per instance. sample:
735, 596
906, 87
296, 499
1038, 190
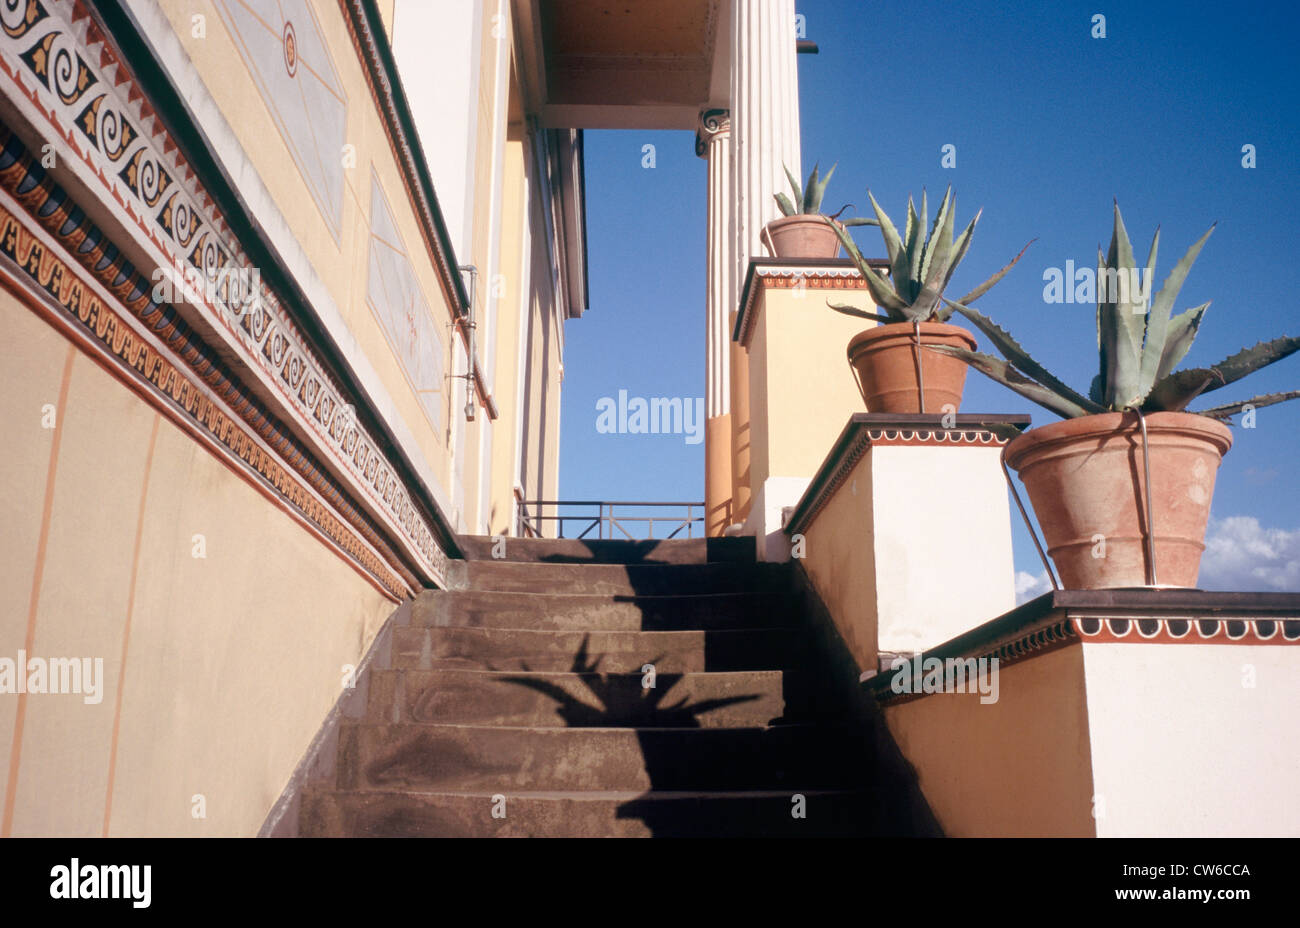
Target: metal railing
604, 518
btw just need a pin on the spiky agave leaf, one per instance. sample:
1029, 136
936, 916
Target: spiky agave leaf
935, 251
1228, 410
1008, 376
794, 185
1249, 360
809, 190
1159, 328
849, 310
859, 221
1178, 389
1179, 336
1096, 391
783, 202
1021, 359
989, 284
877, 286
1003, 430
915, 247
1128, 320
960, 246
1102, 385
817, 190
893, 244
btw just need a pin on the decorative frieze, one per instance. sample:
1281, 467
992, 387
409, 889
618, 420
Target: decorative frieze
68, 82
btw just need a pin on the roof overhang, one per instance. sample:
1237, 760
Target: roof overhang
623, 64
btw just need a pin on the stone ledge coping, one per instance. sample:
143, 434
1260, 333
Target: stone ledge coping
1136, 616
817, 273
885, 428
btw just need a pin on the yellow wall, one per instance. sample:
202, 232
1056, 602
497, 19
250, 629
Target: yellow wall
839, 557
232, 660
802, 389
506, 383
1019, 767
342, 266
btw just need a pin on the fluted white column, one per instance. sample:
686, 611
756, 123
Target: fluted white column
713, 141
764, 141
764, 118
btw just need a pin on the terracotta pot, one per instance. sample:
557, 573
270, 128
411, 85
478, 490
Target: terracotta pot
1086, 478
810, 236
886, 359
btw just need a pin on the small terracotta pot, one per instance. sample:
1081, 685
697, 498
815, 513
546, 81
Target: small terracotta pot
1086, 479
803, 236
886, 360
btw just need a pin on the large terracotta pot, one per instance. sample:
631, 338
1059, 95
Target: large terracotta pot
886, 360
1086, 479
802, 236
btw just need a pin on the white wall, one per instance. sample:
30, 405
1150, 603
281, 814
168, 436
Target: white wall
436, 45
942, 542
1182, 746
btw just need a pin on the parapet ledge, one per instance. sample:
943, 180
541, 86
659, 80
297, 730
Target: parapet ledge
1131, 616
865, 429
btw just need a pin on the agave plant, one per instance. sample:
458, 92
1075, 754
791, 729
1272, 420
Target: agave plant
807, 199
920, 265
1139, 346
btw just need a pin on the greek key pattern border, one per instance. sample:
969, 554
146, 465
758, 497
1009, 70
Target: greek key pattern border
56, 57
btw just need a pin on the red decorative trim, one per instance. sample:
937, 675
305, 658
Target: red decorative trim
67, 79
1165, 630
36, 272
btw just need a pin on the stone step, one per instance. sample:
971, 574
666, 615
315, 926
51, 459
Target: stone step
601, 551
586, 700
576, 814
689, 651
593, 612
616, 579
416, 756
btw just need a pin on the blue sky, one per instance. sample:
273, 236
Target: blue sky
1049, 125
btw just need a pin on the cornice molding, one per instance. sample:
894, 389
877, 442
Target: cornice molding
865, 430
1118, 617
67, 80
789, 274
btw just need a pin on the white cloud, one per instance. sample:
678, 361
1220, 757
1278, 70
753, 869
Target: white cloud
1242, 555
1030, 587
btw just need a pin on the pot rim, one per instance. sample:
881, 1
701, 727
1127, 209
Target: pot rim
819, 218
1107, 424
886, 330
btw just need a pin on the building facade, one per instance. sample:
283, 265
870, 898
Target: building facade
285, 289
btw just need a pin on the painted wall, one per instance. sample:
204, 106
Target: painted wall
464, 102
437, 48
838, 557
316, 141
1018, 767
941, 541
802, 390
801, 393
1194, 740
217, 669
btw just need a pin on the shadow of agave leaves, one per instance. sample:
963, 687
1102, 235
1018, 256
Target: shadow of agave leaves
622, 699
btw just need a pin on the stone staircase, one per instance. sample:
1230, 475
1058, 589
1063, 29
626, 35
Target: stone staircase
519, 702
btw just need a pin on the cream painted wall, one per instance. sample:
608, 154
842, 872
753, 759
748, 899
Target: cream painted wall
232, 660
837, 555
437, 47
802, 390
1182, 746
342, 266
942, 542
1018, 767
506, 381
